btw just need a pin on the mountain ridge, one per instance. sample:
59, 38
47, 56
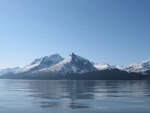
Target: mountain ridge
73, 64
8, 70
142, 66
41, 63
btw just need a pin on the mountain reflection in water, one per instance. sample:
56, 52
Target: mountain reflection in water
94, 96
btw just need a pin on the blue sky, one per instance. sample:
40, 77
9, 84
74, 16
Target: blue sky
112, 31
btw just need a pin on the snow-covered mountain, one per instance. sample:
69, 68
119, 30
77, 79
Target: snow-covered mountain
105, 66
119, 67
41, 63
71, 64
102, 66
8, 70
56, 65
138, 67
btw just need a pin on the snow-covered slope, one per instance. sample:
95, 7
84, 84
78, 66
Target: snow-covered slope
41, 63
119, 67
8, 70
102, 66
105, 66
71, 64
138, 67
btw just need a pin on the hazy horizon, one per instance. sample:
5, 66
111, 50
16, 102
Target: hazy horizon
115, 32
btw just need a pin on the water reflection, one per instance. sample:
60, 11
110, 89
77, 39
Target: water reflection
82, 94
62, 105
86, 89
76, 94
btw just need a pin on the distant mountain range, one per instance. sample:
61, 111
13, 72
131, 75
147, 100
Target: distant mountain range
105, 66
139, 67
8, 70
73, 64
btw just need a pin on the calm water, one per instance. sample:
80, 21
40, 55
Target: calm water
22, 96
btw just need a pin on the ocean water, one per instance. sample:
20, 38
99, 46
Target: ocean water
43, 96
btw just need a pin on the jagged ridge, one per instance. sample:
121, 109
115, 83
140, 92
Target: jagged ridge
71, 64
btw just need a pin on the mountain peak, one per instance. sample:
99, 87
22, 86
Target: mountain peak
72, 64
102, 66
72, 54
139, 67
55, 55
52, 57
42, 63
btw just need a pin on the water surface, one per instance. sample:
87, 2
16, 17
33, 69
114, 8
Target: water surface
41, 96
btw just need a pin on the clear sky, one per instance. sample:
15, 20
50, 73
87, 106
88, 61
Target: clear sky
112, 31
